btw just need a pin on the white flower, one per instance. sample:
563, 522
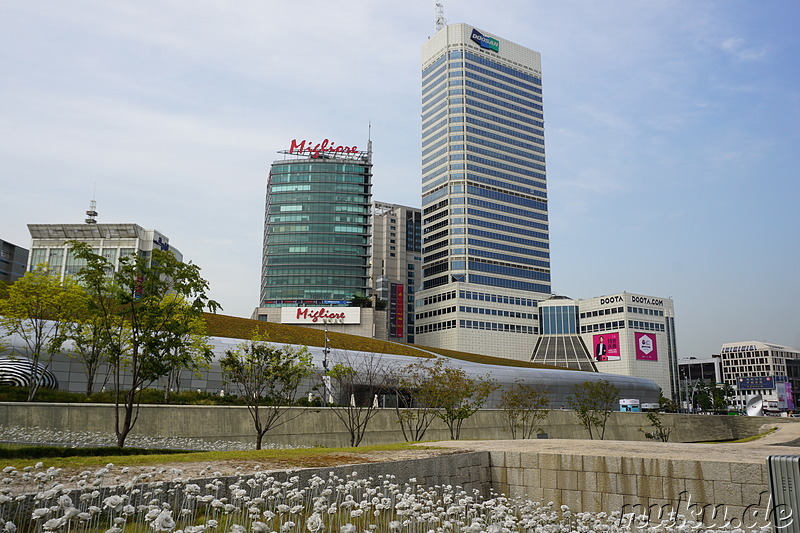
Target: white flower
115, 502
54, 523
236, 528
10, 527
40, 513
259, 527
348, 528
163, 522
314, 523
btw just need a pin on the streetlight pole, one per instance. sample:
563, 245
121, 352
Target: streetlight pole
326, 379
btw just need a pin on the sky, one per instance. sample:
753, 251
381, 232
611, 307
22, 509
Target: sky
672, 132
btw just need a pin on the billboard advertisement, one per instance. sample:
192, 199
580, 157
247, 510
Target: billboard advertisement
320, 315
397, 310
755, 382
646, 349
606, 347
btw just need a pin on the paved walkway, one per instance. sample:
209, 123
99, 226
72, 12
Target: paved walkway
784, 441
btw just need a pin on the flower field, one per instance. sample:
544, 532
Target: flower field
37, 499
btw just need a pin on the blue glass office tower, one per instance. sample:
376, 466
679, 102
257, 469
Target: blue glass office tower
486, 252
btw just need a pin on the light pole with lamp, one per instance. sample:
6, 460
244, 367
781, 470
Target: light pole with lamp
326, 379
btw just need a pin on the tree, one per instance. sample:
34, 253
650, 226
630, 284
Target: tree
36, 309
357, 380
417, 399
524, 408
90, 344
142, 308
659, 432
459, 396
593, 402
267, 378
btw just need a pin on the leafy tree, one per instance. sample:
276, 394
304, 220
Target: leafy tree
360, 301
592, 402
36, 309
142, 308
659, 432
357, 382
667, 405
418, 399
90, 344
267, 378
524, 408
459, 396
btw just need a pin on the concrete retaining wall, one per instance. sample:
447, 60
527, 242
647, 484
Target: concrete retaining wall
721, 494
320, 427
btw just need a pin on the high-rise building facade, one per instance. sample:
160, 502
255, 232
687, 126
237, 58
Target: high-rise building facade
317, 226
396, 262
486, 258
13, 260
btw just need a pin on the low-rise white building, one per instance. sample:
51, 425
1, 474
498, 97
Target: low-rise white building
754, 367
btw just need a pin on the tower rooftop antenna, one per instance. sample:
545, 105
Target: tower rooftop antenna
441, 22
91, 213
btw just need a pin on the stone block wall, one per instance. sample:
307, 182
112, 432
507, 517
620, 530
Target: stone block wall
721, 494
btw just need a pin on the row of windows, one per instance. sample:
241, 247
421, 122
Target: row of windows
497, 298
435, 119
492, 86
503, 218
506, 122
437, 298
503, 185
486, 129
328, 249
471, 149
437, 326
320, 208
527, 103
327, 238
434, 110
478, 222
525, 213
602, 312
606, 326
322, 274
495, 149
505, 79
507, 238
339, 168
299, 259
319, 218
473, 104
477, 252
433, 156
436, 312
647, 326
435, 164
645, 311
502, 68
497, 312
509, 283
494, 326
509, 248
433, 91
508, 197
291, 198
318, 177
316, 228
427, 148
320, 187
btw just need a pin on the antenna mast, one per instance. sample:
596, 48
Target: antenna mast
441, 22
92, 212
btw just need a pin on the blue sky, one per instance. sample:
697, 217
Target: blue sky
671, 133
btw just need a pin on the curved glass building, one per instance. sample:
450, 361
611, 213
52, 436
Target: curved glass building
317, 226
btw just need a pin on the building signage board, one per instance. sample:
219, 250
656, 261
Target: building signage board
646, 349
755, 382
606, 347
397, 309
320, 315
485, 42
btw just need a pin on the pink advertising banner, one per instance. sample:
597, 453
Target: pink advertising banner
646, 347
606, 347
